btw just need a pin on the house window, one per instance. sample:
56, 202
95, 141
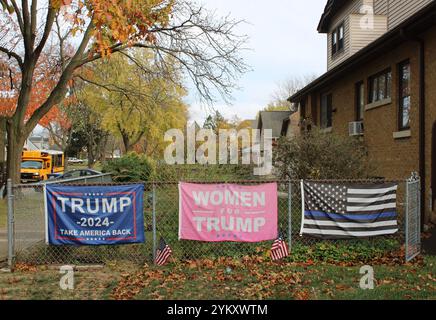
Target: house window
338, 39
380, 86
404, 102
334, 42
360, 101
326, 111
341, 37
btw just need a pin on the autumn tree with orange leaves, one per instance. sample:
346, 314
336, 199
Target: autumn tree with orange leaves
44, 44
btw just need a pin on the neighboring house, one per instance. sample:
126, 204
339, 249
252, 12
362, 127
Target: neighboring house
267, 120
291, 126
37, 142
272, 120
30, 146
380, 85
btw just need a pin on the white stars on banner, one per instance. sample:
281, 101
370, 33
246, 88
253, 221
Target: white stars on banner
327, 198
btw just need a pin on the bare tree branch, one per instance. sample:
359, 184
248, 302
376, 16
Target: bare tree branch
206, 47
18, 15
51, 15
33, 20
27, 27
14, 55
60, 89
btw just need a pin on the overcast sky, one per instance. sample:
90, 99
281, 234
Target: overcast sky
284, 43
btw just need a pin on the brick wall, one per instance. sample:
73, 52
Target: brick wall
392, 158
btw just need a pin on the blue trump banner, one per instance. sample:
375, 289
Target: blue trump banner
94, 215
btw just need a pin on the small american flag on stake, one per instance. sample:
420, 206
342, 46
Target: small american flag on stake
279, 249
163, 253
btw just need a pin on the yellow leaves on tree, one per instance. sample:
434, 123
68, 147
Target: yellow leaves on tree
136, 106
120, 21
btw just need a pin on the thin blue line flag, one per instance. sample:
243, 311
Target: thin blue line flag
335, 211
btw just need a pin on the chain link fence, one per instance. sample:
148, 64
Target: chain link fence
413, 219
161, 206
289, 224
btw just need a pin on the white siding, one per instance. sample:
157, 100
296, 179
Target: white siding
388, 15
342, 16
381, 7
398, 10
360, 37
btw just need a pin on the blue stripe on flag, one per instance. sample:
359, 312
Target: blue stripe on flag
309, 214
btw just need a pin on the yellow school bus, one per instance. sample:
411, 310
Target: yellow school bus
41, 165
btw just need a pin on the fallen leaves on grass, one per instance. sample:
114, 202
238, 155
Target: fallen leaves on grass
22, 267
131, 285
302, 295
245, 278
250, 277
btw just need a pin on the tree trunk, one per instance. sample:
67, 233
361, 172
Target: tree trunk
91, 158
126, 143
15, 148
102, 148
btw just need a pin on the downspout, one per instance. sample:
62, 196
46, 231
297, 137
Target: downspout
422, 111
422, 147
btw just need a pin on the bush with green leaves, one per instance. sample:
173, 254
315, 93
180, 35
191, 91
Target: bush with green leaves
352, 251
206, 173
317, 155
132, 167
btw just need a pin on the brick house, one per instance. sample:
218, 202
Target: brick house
379, 85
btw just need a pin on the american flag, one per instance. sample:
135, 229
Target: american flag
279, 250
334, 211
163, 253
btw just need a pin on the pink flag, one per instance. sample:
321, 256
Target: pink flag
228, 212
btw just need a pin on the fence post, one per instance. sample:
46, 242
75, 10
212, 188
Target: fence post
406, 223
413, 216
11, 227
290, 215
154, 223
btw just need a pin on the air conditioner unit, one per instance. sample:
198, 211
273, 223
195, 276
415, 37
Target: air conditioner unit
355, 128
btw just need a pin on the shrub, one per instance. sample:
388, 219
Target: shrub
352, 251
197, 172
132, 167
317, 155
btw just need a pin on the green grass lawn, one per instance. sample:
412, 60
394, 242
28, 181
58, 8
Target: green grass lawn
247, 278
252, 279
42, 283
